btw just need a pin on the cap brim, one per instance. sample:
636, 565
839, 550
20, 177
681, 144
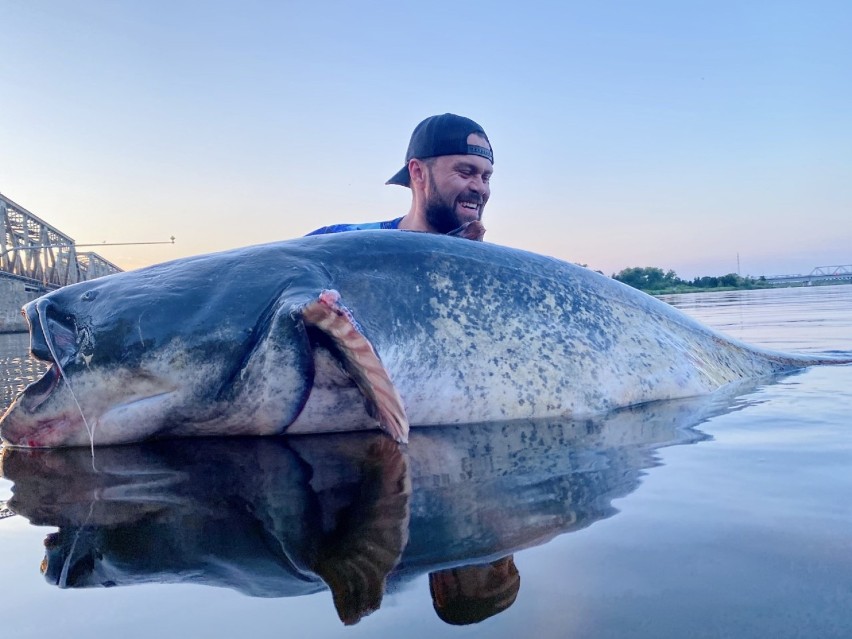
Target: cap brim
401, 177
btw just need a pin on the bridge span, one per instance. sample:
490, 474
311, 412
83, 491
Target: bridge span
32, 249
36, 257
818, 274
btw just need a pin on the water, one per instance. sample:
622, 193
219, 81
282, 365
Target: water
727, 517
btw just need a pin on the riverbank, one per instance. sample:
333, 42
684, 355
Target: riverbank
678, 290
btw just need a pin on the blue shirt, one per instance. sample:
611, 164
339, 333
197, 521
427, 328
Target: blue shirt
338, 228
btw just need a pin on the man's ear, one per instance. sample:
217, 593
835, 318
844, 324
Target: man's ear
417, 170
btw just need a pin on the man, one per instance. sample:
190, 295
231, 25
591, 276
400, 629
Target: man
448, 168
470, 594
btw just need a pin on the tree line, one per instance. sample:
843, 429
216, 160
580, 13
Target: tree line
653, 279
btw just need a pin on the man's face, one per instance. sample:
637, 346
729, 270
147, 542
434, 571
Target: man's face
457, 188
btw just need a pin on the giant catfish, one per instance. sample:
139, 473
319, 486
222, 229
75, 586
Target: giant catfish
356, 330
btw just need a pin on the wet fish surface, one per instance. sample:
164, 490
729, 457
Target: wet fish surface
353, 330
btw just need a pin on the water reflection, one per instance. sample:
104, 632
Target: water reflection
17, 369
354, 514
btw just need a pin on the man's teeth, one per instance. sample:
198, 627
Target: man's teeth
470, 205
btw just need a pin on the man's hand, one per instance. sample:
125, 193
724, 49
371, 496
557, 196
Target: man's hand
473, 230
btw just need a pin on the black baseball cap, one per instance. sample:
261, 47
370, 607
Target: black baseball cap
441, 135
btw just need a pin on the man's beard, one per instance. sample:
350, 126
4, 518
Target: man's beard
441, 215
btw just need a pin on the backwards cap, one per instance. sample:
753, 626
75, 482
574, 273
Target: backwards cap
441, 135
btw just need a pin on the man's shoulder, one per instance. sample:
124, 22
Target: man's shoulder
365, 226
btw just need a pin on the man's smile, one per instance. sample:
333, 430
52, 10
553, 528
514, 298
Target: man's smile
474, 205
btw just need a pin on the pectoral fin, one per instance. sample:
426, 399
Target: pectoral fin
360, 361
355, 559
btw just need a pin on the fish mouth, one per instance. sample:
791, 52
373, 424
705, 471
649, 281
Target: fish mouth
53, 339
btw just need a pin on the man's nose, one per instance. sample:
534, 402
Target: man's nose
478, 185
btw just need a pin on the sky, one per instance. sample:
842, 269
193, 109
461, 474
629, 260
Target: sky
703, 137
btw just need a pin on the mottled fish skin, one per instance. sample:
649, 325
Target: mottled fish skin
467, 332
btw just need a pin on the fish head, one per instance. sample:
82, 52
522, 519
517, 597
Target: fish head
148, 354
98, 374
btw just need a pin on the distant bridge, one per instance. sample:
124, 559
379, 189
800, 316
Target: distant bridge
818, 274
33, 250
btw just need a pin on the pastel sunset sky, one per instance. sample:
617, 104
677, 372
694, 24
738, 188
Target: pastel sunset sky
668, 133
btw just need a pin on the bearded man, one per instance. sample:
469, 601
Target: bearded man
448, 168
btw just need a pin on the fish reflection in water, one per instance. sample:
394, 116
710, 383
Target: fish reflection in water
355, 513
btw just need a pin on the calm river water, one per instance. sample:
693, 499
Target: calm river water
728, 516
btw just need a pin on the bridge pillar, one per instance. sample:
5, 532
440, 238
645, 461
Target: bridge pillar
14, 293
4, 238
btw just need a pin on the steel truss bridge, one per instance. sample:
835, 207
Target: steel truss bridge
33, 250
818, 274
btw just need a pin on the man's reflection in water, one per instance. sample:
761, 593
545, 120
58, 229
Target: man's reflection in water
471, 594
